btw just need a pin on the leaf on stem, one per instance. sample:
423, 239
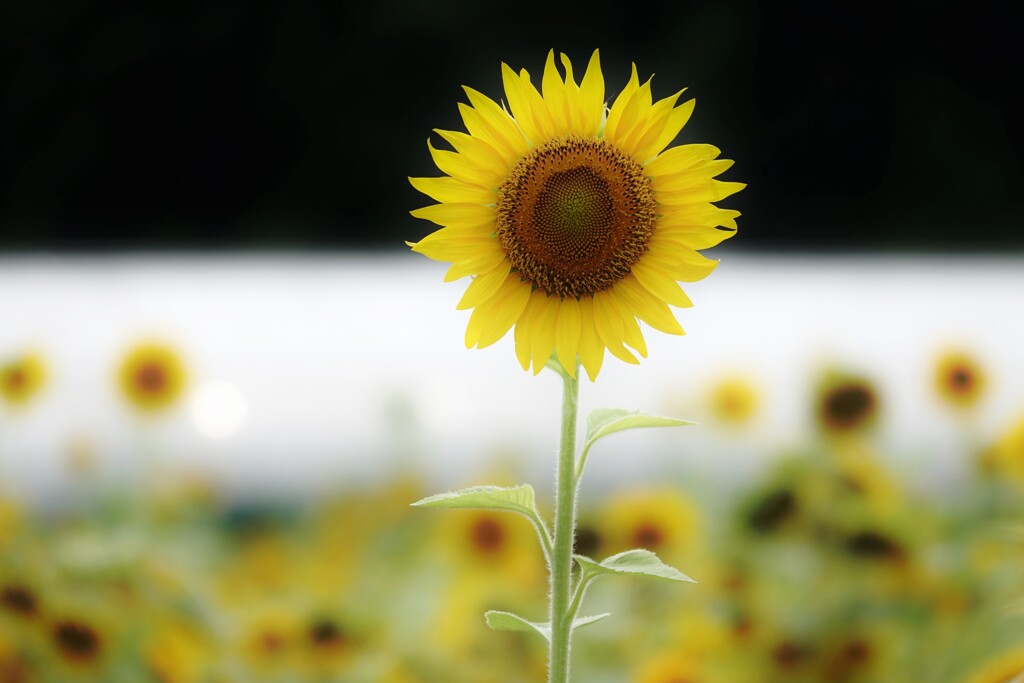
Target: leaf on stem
637, 562
507, 621
605, 421
519, 499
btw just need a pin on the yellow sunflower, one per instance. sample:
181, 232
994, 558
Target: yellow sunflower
22, 378
846, 403
572, 217
959, 379
734, 400
152, 376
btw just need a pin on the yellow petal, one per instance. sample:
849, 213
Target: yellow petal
492, 167
592, 97
524, 328
631, 333
498, 121
482, 263
689, 237
567, 334
492, 319
615, 113
484, 286
573, 106
646, 306
668, 132
539, 111
591, 348
458, 166
463, 214
555, 97
518, 102
479, 128
448, 189
692, 177
634, 115
660, 284
681, 157
457, 250
610, 326
542, 338
681, 264
643, 136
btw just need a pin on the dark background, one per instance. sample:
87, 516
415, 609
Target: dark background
246, 125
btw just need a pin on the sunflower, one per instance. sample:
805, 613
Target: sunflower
152, 376
659, 519
959, 379
846, 403
572, 217
22, 378
734, 400
1005, 457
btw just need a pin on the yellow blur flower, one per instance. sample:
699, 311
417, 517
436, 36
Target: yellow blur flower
661, 520
501, 546
572, 217
22, 378
152, 376
959, 379
177, 653
1006, 457
734, 400
1007, 668
670, 667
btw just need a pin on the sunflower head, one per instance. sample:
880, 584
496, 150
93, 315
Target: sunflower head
152, 377
22, 378
76, 640
571, 216
734, 400
959, 379
846, 404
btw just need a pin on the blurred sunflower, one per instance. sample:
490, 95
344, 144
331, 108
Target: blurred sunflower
152, 377
78, 642
662, 520
271, 638
572, 217
734, 400
959, 379
670, 667
845, 403
1006, 668
500, 545
1005, 457
177, 652
19, 599
22, 378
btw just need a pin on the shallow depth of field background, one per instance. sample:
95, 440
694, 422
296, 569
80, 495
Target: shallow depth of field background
230, 182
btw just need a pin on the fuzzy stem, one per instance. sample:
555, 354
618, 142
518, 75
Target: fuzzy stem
565, 523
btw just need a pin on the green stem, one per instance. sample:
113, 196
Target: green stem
565, 523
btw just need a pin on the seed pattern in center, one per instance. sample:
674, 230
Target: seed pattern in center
575, 215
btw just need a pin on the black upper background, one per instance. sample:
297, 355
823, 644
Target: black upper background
169, 125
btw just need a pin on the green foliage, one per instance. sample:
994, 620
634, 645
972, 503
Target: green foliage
636, 562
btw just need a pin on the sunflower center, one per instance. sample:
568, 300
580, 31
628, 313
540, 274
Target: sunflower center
151, 378
648, 536
77, 640
488, 535
574, 216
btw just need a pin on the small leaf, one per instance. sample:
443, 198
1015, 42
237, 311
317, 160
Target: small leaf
605, 421
507, 621
638, 562
512, 499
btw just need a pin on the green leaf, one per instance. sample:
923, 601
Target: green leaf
637, 562
507, 621
605, 421
512, 499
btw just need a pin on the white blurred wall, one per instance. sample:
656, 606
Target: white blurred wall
327, 369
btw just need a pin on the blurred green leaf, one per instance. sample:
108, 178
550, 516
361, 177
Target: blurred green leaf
512, 499
507, 621
637, 562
